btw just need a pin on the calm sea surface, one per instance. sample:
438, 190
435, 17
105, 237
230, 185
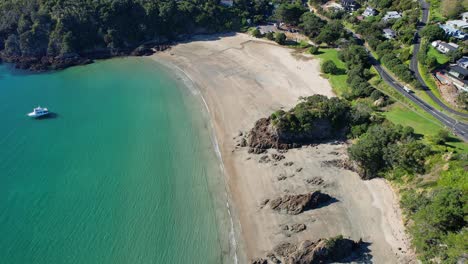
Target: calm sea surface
124, 171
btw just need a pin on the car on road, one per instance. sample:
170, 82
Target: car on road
408, 90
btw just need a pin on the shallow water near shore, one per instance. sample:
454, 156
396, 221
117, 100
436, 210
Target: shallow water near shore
124, 171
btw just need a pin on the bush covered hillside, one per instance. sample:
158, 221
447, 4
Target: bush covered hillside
37, 28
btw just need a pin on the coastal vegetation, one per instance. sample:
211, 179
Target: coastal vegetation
31, 30
426, 164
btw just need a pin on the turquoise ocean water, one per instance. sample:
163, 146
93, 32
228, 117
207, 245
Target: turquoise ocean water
123, 172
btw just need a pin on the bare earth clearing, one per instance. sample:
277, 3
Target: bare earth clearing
243, 79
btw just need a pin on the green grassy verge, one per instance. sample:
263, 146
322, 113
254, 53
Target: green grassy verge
338, 82
405, 112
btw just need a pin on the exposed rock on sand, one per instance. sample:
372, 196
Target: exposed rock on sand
296, 204
310, 252
243, 79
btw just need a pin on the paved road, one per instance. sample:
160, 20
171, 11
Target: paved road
414, 61
460, 129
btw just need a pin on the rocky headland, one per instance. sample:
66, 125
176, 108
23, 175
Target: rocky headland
43, 62
314, 252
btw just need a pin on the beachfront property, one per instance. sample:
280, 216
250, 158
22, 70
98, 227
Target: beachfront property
444, 47
350, 5
389, 33
391, 15
369, 12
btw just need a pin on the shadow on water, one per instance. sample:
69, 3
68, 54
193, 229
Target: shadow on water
51, 115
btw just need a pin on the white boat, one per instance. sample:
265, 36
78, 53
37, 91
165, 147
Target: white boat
38, 112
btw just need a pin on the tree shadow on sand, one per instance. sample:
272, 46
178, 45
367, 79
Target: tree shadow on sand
361, 255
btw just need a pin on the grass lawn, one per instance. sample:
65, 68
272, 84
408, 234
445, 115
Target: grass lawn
406, 113
338, 82
441, 58
423, 124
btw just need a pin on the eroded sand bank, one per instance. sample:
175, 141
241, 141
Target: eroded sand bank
243, 79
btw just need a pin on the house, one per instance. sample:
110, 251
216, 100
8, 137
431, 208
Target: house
444, 47
391, 15
389, 33
227, 2
457, 24
369, 12
465, 16
463, 62
349, 5
453, 32
459, 76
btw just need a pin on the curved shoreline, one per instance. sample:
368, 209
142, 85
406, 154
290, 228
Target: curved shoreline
191, 85
241, 80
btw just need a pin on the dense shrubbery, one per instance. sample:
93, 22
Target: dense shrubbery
439, 220
329, 67
310, 109
357, 63
387, 146
53, 27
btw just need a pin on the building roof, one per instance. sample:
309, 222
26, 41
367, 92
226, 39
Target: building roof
369, 11
391, 15
463, 60
348, 2
389, 31
458, 69
458, 23
447, 46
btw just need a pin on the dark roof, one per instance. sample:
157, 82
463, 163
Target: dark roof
448, 46
461, 70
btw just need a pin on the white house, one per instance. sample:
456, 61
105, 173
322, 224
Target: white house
391, 15
463, 62
465, 16
369, 12
444, 47
227, 2
453, 32
457, 24
389, 33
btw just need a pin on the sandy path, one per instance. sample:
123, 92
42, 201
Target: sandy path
242, 80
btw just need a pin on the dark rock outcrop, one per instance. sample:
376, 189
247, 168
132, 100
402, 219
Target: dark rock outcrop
296, 204
41, 63
311, 252
264, 135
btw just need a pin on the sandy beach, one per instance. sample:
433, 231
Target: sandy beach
243, 79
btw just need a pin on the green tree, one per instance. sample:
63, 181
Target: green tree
433, 32
329, 67
280, 38
313, 49
290, 13
441, 137
311, 24
330, 33
256, 33
270, 35
462, 100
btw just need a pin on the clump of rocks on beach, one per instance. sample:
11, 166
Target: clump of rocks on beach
329, 250
294, 204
